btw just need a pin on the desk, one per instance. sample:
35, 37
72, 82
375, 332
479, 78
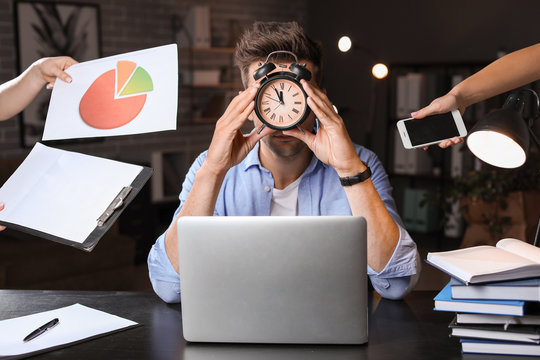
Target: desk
408, 329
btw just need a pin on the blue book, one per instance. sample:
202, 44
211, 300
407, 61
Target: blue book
528, 290
445, 302
475, 346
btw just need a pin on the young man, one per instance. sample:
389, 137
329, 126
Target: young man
289, 172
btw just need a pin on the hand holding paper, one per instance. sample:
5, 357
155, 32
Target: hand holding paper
124, 94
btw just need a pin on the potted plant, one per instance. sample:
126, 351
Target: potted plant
497, 203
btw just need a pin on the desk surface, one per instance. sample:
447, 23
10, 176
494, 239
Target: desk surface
408, 329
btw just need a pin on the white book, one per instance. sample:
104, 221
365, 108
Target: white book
528, 290
470, 318
415, 82
498, 347
402, 99
510, 259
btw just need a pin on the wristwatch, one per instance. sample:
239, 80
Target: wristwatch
358, 178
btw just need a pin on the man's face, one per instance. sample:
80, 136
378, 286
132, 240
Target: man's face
279, 144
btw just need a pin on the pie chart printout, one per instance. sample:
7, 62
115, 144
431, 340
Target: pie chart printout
116, 97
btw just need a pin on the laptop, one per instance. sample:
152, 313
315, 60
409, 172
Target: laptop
273, 279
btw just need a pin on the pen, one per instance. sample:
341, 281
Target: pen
40, 330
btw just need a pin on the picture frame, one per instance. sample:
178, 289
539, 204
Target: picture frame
48, 29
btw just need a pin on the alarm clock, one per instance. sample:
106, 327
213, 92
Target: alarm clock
281, 102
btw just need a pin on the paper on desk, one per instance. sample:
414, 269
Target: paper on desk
63, 193
131, 93
77, 322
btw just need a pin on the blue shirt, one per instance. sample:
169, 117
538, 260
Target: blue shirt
247, 190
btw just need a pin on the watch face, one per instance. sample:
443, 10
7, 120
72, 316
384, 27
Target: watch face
281, 103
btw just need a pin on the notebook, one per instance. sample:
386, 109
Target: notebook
264, 279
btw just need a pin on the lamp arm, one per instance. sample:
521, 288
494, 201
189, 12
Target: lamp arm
532, 119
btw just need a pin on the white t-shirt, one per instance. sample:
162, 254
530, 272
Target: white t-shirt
285, 202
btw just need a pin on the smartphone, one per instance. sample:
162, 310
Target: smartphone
431, 130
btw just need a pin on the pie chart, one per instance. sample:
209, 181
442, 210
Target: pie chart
116, 97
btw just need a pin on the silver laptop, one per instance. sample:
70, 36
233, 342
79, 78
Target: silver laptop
273, 279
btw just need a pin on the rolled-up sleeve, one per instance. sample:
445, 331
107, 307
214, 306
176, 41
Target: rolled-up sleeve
401, 273
165, 280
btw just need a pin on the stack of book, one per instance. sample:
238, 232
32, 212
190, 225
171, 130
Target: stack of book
495, 293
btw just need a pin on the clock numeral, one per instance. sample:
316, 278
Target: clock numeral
290, 86
273, 117
266, 111
289, 116
266, 102
295, 111
297, 102
273, 87
295, 94
280, 118
282, 86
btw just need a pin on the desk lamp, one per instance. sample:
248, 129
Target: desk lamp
502, 138
378, 70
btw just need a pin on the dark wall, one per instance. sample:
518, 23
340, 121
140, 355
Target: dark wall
410, 32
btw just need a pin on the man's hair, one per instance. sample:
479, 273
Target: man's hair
264, 37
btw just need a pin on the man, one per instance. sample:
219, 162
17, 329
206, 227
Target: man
289, 172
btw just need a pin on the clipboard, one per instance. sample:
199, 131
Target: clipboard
79, 194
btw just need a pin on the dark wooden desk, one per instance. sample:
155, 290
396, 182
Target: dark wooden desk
408, 329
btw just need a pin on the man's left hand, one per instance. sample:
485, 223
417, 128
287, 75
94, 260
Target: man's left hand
332, 143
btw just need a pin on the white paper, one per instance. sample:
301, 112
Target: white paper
65, 117
63, 193
77, 322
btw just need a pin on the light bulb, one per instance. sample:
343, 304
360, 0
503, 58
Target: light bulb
496, 149
344, 44
379, 71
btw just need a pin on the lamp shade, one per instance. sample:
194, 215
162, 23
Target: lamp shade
501, 138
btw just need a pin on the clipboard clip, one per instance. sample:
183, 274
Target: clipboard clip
117, 202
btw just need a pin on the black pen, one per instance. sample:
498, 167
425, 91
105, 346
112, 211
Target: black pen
40, 330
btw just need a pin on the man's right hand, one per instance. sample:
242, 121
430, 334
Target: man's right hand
229, 146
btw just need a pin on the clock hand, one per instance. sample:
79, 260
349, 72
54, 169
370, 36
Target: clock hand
277, 93
281, 97
271, 98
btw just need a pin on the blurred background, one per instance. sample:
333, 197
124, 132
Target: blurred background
427, 47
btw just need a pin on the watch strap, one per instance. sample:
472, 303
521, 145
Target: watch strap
355, 179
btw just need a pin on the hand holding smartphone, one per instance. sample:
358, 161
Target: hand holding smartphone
430, 130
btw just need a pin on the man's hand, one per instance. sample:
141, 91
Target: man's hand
332, 144
229, 146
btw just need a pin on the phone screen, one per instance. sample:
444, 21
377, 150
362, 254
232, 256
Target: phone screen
431, 128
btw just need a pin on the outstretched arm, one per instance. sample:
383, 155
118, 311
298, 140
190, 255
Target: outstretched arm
16, 94
509, 72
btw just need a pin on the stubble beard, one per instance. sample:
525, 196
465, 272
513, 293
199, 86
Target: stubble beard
284, 150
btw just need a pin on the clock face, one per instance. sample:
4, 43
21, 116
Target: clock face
281, 103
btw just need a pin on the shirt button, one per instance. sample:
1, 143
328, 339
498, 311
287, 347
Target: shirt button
267, 188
